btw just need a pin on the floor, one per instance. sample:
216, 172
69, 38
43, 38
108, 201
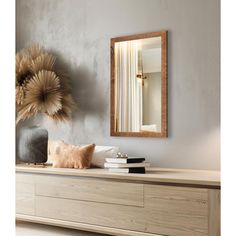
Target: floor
29, 229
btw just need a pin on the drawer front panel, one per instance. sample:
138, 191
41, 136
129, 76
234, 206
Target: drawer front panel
25, 198
177, 211
25, 178
117, 216
130, 194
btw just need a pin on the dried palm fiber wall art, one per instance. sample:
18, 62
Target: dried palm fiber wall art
40, 87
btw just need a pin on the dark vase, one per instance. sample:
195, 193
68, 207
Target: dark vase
33, 145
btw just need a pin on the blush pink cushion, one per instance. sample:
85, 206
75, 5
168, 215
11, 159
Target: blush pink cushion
71, 156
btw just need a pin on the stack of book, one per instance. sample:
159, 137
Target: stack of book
126, 165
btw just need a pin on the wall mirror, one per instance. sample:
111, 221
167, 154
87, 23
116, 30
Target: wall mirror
139, 85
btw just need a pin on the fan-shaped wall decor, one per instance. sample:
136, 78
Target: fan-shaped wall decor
40, 88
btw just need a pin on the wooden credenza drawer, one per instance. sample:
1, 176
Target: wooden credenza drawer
118, 204
110, 215
25, 195
177, 211
130, 194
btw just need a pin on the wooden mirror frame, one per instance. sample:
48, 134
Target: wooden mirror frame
164, 88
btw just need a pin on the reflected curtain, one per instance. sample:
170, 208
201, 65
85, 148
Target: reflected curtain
128, 110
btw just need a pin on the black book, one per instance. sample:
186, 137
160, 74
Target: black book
137, 170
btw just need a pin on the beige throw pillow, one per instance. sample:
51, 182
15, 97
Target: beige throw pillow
71, 156
54, 147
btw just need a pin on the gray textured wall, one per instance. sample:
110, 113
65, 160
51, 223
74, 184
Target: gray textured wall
78, 31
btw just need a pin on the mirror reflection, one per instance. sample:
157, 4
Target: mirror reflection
138, 85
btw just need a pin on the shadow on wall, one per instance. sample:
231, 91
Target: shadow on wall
89, 99
86, 91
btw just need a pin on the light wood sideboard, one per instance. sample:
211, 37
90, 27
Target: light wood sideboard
161, 202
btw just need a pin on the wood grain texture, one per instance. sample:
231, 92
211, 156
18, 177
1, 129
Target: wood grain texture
24, 177
176, 211
25, 196
82, 226
126, 206
153, 175
214, 212
85, 189
164, 86
117, 216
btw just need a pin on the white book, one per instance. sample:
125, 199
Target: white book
125, 160
129, 165
121, 170
139, 170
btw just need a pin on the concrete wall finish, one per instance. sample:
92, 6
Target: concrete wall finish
79, 32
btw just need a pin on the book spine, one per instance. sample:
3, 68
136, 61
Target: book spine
130, 165
135, 160
125, 161
140, 170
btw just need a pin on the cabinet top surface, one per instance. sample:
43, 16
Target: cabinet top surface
158, 175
